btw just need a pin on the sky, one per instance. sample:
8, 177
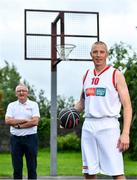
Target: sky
118, 21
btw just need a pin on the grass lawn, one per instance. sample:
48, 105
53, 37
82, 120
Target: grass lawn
68, 164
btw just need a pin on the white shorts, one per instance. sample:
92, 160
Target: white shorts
99, 147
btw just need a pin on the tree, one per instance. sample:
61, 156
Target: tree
9, 79
1, 108
44, 105
63, 102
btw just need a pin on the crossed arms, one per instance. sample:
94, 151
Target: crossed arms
22, 123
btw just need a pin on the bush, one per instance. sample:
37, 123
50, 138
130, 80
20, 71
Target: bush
133, 142
44, 132
69, 142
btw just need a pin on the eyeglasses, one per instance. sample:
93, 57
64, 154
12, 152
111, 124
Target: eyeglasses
22, 90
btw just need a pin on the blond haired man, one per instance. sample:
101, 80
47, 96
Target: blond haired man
104, 91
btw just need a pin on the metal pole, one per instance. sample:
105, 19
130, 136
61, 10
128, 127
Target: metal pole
53, 128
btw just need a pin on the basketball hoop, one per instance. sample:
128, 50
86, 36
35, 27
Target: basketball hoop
64, 50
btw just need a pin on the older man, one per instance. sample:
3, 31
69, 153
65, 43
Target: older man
23, 116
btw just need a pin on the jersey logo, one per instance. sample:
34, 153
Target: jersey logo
96, 91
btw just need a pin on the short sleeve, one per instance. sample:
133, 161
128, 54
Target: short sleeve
36, 110
9, 111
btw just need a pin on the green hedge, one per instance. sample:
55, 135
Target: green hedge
44, 132
69, 142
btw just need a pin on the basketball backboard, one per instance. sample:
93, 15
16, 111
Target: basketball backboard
76, 27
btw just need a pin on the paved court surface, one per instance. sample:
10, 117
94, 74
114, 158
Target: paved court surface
77, 177
50, 178
68, 178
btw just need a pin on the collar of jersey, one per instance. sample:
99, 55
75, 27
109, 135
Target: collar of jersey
106, 68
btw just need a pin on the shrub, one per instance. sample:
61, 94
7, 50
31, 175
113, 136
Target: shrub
133, 136
44, 132
69, 142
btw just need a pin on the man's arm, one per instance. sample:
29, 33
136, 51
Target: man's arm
30, 123
122, 88
22, 123
13, 122
79, 106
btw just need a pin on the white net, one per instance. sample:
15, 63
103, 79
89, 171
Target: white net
65, 50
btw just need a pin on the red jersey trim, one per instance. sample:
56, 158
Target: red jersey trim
101, 71
114, 79
85, 76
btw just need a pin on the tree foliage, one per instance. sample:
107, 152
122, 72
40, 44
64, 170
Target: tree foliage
9, 79
63, 102
44, 104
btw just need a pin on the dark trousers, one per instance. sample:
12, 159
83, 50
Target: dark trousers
20, 146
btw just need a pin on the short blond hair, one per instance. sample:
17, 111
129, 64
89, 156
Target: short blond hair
99, 43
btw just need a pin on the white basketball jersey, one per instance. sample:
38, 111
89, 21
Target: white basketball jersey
101, 96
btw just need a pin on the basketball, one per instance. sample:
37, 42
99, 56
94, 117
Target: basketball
69, 118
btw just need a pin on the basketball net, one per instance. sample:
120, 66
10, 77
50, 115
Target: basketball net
64, 51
